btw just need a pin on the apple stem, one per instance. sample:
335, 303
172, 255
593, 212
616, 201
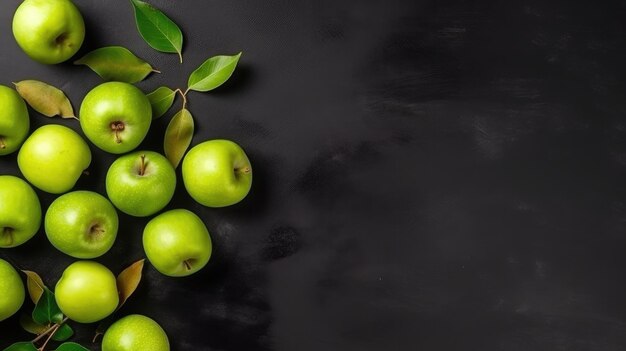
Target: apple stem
52, 330
187, 265
244, 170
2, 144
142, 170
183, 95
117, 128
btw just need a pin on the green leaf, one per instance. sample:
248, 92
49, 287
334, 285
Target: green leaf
21, 346
35, 285
31, 326
160, 32
213, 73
63, 333
71, 346
47, 311
128, 281
45, 99
161, 100
116, 63
178, 136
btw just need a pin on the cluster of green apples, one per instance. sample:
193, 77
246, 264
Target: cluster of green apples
115, 117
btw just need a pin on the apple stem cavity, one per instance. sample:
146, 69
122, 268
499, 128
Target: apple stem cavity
3, 145
60, 40
142, 169
8, 233
95, 231
117, 127
243, 170
187, 264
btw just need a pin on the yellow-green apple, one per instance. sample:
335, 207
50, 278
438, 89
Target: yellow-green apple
141, 183
14, 121
177, 243
87, 292
49, 31
12, 292
116, 116
20, 211
135, 333
82, 224
53, 158
217, 173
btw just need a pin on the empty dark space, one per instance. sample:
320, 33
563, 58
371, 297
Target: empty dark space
428, 175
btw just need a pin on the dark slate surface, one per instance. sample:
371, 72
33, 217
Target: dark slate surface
428, 175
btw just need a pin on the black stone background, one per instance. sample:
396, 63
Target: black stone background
428, 175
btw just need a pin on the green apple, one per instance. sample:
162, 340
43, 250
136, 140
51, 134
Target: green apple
135, 333
53, 158
87, 292
20, 211
217, 173
82, 224
12, 292
141, 183
116, 116
14, 121
49, 31
177, 243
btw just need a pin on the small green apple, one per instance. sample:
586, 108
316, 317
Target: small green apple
53, 158
87, 292
14, 121
177, 243
12, 292
20, 211
141, 183
82, 224
116, 116
135, 333
217, 173
49, 31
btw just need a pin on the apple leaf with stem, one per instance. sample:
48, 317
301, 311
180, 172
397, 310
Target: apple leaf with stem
161, 100
71, 346
22, 346
213, 73
47, 311
63, 333
158, 30
128, 281
35, 285
45, 99
116, 63
178, 136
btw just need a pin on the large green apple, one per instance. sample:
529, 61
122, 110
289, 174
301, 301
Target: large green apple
116, 116
20, 211
53, 158
217, 173
14, 121
135, 333
87, 292
12, 292
141, 183
82, 224
49, 31
177, 243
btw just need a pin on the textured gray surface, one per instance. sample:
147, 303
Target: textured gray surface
428, 175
